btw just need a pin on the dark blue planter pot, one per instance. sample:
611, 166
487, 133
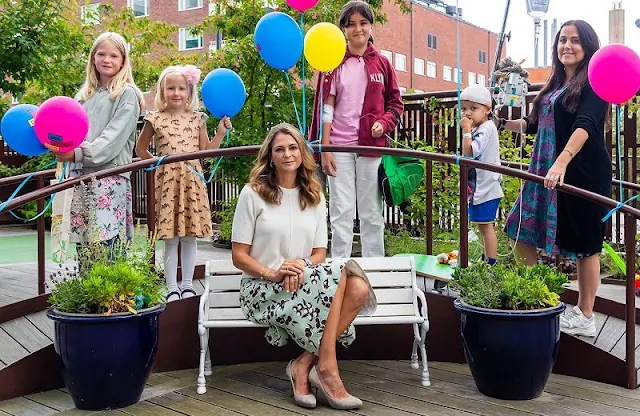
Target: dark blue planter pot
105, 360
510, 353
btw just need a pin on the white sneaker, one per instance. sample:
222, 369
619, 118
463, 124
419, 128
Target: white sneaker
575, 323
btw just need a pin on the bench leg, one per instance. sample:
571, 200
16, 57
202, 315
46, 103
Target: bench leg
414, 352
207, 358
426, 379
204, 347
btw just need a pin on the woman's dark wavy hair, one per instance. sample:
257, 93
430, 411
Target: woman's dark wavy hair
590, 44
355, 6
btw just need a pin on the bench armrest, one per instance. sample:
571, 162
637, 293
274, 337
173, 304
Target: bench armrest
423, 302
204, 299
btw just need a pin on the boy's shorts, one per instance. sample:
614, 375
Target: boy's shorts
484, 213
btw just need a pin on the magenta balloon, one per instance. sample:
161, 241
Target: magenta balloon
302, 5
614, 73
62, 123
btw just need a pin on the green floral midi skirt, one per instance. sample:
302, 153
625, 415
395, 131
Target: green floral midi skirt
300, 315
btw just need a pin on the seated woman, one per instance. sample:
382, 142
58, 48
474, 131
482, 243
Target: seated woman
279, 242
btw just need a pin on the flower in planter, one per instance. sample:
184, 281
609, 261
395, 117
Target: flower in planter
513, 288
109, 279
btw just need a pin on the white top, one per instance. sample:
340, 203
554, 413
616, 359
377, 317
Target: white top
278, 232
486, 148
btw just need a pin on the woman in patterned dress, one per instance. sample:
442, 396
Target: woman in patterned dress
568, 119
182, 204
279, 241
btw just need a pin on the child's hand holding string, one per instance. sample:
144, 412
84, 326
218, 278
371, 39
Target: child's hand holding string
225, 124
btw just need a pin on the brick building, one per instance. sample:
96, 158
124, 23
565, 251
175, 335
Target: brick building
421, 45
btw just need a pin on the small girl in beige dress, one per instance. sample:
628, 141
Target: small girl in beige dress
182, 204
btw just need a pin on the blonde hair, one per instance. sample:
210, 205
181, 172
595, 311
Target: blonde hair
160, 101
262, 178
120, 81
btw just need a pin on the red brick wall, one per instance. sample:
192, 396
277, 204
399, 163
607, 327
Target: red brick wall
395, 36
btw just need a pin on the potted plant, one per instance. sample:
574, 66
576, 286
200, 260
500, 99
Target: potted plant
106, 323
222, 236
510, 326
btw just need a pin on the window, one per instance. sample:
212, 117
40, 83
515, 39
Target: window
446, 73
482, 80
190, 4
472, 78
15, 100
90, 14
432, 70
455, 76
387, 54
140, 7
401, 62
418, 66
188, 41
482, 57
432, 41
213, 45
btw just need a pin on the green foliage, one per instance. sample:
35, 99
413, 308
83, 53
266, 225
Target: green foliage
509, 288
226, 219
401, 241
109, 280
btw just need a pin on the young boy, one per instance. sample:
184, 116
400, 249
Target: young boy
480, 141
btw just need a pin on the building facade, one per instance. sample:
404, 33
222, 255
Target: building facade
422, 45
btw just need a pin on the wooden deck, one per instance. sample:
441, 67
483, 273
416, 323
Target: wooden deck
388, 388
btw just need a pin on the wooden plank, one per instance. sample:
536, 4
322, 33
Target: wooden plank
236, 403
11, 351
55, 399
148, 409
21, 406
462, 384
156, 379
611, 333
165, 388
262, 387
26, 334
414, 398
619, 350
608, 403
190, 406
43, 323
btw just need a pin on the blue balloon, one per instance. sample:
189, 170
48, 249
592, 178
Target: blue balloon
278, 40
223, 93
18, 132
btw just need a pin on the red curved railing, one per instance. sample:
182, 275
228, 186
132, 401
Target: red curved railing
630, 214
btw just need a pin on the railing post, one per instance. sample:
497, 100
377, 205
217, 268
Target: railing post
630, 319
463, 255
41, 252
151, 207
428, 189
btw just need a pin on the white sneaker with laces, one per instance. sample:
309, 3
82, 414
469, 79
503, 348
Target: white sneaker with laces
575, 323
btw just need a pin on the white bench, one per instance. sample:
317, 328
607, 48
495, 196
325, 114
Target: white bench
392, 278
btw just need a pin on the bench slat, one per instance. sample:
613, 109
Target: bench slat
384, 296
377, 279
224, 314
360, 320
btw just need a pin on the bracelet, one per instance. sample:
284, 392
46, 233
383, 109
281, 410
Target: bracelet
467, 136
569, 151
262, 276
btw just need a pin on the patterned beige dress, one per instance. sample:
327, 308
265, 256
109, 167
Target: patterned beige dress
182, 203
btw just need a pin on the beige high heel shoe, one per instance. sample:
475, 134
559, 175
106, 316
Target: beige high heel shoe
348, 403
303, 400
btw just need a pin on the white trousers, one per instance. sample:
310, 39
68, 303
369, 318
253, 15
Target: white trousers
356, 181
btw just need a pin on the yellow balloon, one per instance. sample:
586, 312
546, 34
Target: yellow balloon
324, 46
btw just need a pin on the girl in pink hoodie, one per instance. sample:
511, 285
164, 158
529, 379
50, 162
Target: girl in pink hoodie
361, 105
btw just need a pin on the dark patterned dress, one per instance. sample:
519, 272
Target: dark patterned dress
538, 225
182, 203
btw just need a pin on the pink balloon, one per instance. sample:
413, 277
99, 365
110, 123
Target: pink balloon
62, 123
614, 73
302, 5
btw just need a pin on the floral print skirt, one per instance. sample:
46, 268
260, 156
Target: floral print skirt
300, 315
102, 210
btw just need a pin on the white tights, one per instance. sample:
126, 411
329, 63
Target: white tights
188, 256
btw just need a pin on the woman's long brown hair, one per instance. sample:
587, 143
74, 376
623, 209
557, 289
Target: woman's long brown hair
263, 180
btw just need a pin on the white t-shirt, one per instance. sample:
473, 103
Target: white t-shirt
278, 232
486, 148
